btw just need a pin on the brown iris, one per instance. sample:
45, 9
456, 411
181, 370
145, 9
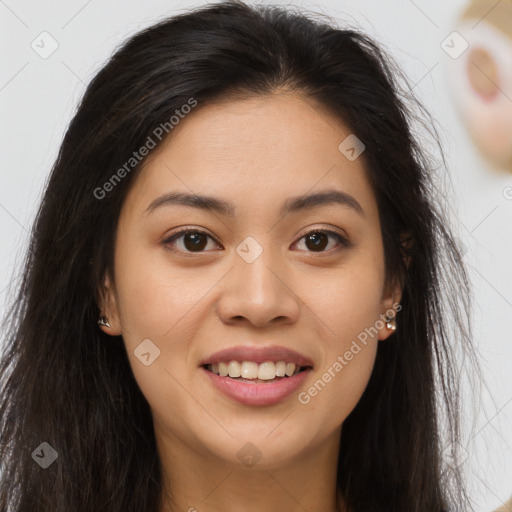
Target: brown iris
195, 241
319, 240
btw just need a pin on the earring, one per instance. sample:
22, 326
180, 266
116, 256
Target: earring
103, 321
390, 322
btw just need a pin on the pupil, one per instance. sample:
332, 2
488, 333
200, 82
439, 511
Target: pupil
316, 242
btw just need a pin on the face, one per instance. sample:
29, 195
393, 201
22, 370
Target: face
277, 279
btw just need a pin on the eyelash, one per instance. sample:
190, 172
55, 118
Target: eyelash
167, 242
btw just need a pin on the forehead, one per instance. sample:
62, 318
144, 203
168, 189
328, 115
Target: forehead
254, 152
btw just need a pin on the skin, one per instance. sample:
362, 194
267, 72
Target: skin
254, 153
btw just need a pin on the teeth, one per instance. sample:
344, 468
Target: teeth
233, 369
223, 369
267, 371
290, 369
251, 370
280, 369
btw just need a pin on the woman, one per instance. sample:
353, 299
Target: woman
240, 289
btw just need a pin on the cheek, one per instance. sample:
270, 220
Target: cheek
347, 299
347, 359
159, 308
348, 306
349, 303
155, 297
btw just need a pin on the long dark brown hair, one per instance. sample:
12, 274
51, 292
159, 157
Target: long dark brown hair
66, 383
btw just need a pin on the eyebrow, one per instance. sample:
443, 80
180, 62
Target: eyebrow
292, 204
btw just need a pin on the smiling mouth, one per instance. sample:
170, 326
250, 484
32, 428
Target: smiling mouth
249, 371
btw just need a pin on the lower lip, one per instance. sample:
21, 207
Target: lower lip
261, 393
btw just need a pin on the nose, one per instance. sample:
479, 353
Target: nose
259, 293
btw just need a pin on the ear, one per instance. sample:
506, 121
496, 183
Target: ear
108, 305
392, 295
390, 306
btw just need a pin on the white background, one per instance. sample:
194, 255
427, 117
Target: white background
38, 97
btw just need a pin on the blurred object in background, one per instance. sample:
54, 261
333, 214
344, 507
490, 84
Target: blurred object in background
481, 77
506, 507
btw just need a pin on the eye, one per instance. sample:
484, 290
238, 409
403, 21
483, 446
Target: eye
193, 240
318, 239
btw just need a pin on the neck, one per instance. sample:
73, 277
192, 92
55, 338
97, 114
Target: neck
208, 483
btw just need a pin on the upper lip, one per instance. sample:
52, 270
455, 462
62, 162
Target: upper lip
257, 355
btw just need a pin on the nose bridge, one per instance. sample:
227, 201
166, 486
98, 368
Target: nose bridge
253, 268
256, 289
